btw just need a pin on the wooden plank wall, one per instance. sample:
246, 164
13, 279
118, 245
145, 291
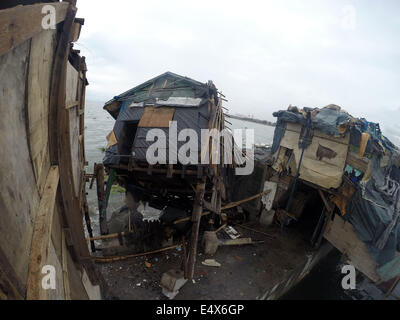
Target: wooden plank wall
42, 196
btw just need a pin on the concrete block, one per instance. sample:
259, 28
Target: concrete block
173, 280
210, 242
267, 217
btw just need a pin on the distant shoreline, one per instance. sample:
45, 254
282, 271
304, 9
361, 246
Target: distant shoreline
264, 122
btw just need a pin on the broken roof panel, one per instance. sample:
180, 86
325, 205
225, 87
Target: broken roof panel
167, 89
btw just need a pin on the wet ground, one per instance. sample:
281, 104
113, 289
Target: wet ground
246, 272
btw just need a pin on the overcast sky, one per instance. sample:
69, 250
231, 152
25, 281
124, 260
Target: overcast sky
263, 55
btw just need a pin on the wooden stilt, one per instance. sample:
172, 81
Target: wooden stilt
184, 260
330, 208
196, 216
99, 172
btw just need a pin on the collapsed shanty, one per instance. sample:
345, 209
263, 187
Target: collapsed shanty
180, 190
357, 172
327, 174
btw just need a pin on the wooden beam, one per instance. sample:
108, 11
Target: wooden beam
21, 23
58, 85
42, 236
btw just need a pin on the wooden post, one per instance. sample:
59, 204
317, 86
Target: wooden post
330, 208
106, 197
184, 260
99, 172
196, 216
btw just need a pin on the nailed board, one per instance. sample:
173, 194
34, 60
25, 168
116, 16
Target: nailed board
156, 117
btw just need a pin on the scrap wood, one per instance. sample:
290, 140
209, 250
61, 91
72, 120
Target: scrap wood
228, 206
118, 258
220, 228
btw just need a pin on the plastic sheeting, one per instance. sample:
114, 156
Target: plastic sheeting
328, 120
374, 213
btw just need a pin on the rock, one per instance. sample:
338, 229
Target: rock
211, 263
267, 217
210, 242
173, 280
169, 294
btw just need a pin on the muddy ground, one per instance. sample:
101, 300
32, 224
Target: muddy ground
246, 272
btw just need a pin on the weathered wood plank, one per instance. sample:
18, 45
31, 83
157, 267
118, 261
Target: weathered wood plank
21, 23
340, 234
39, 77
19, 198
10, 286
42, 236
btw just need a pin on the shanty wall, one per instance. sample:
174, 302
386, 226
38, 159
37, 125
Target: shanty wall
323, 162
42, 157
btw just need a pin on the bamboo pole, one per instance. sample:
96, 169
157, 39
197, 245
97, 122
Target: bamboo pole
118, 258
228, 206
220, 228
109, 236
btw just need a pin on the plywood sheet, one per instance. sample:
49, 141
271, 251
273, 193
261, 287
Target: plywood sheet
340, 234
324, 160
156, 117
